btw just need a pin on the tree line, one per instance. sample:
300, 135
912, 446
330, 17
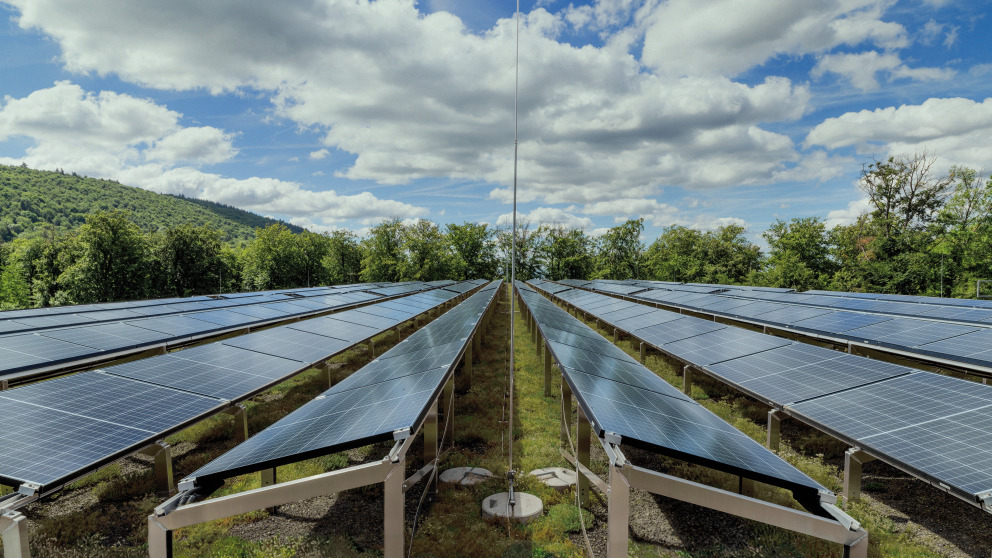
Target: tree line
924, 234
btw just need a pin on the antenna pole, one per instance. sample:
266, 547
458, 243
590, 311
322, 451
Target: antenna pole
513, 249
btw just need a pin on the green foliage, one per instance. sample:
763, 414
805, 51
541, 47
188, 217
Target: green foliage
566, 253
428, 254
343, 261
111, 261
724, 255
190, 259
34, 200
382, 252
475, 247
800, 254
621, 252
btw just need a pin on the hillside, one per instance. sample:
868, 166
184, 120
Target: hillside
31, 199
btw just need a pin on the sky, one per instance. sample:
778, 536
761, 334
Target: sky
337, 114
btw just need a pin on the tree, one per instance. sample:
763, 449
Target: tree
676, 255
800, 254
271, 260
429, 257
113, 261
528, 263
382, 252
475, 250
343, 261
190, 260
621, 251
903, 190
310, 250
566, 253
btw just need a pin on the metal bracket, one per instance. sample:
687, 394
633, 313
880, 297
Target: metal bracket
29, 489
986, 499
401, 434
612, 438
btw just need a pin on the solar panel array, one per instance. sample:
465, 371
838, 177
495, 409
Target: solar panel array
24, 355
390, 394
947, 335
621, 397
929, 425
56, 430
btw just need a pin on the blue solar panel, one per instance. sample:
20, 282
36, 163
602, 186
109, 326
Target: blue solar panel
975, 347
107, 337
676, 330
838, 322
290, 343
722, 344
907, 332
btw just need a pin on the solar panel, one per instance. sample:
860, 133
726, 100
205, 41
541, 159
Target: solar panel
107, 337
30, 349
975, 347
676, 330
619, 370
390, 313
681, 429
797, 372
648, 319
58, 320
366, 319
792, 314
838, 322
722, 344
289, 343
630, 311
214, 370
176, 326
391, 366
907, 332
261, 311
55, 428
334, 422
332, 327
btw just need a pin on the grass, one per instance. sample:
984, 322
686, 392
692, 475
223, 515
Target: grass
114, 524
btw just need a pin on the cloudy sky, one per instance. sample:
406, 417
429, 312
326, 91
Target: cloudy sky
340, 113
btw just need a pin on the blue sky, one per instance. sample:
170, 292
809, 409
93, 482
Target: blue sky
338, 114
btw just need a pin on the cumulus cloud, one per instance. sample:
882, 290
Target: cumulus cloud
416, 96
727, 37
955, 129
849, 214
862, 68
319, 154
141, 143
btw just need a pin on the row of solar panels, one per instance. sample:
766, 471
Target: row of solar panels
37, 319
624, 400
950, 309
56, 430
386, 399
969, 347
30, 354
932, 426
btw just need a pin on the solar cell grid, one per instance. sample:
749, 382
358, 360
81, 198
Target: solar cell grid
722, 344
106, 337
330, 326
792, 314
176, 326
838, 322
907, 332
675, 330
975, 347
289, 343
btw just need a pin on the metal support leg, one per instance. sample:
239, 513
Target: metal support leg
371, 350
268, 479
584, 433
747, 487
687, 380
3, 385
328, 375
449, 421
430, 446
394, 507
616, 335
467, 369
163, 467
159, 539
774, 423
533, 334
477, 345
618, 522
854, 458
547, 369
644, 352
14, 528
399, 334
566, 412
240, 422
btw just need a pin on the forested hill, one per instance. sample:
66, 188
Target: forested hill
31, 199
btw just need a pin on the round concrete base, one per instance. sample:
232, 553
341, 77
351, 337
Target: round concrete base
556, 477
526, 509
465, 476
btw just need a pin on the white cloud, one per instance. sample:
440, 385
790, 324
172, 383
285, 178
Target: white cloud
546, 216
652, 211
414, 96
955, 129
685, 37
319, 154
707, 223
861, 69
141, 143
849, 214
